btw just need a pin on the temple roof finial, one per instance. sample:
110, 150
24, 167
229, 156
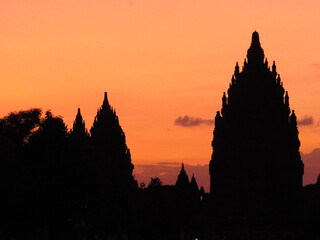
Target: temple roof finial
255, 39
79, 128
255, 53
183, 179
105, 100
78, 116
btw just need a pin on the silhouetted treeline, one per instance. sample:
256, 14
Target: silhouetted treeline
60, 184
44, 183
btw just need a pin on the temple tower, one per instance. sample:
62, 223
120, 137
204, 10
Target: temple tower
111, 151
79, 131
183, 179
255, 139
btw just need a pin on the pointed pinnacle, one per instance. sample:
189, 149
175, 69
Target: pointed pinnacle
255, 39
105, 100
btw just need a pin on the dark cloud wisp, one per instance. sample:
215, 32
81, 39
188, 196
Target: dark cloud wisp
188, 121
305, 121
315, 65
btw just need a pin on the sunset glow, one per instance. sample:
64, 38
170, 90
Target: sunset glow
158, 60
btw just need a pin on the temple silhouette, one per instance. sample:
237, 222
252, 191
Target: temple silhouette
255, 139
107, 143
77, 184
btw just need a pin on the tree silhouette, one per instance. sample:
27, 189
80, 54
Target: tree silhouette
17, 127
155, 182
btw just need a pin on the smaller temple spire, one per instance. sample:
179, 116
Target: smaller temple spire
236, 69
183, 179
274, 67
79, 128
194, 184
182, 167
293, 119
78, 116
224, 100
245, 62
295, 143
233, 80
218, 119
278, 79
105, 100
286, 99
78, 120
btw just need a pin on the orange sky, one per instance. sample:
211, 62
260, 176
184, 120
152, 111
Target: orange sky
157, 59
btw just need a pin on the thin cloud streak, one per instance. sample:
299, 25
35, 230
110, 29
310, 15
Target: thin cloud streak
189, 121
169, 163
305, 121
315, 65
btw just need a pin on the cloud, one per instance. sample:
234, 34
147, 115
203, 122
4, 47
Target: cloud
170, 163
315, 65
188, 121
305, 121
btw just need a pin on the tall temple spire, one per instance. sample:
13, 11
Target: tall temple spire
255, 139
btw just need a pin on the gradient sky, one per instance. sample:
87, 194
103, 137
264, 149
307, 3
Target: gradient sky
158, 60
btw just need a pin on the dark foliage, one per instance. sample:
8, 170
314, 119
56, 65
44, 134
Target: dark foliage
57, 183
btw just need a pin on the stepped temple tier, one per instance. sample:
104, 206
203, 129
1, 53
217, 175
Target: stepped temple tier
255, 139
